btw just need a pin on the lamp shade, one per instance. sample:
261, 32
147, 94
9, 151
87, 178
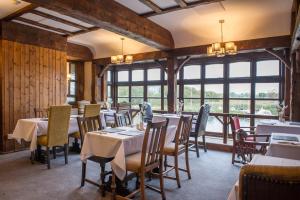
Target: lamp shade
128, 59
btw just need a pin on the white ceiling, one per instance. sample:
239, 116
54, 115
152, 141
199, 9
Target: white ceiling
244, 19
8, 7
247, 19
104, 43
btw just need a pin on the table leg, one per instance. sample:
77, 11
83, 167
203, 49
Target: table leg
113, 186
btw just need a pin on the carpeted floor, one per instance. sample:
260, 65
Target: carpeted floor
213, 176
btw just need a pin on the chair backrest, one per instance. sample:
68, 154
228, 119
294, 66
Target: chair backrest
124, 106
153, 144
91, 110
269, 182
81, 105
88, 124
235, 127
202, 118
122, 119
58, 125
183, 131
41, 112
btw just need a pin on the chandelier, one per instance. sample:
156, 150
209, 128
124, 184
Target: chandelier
220, 49
121, 59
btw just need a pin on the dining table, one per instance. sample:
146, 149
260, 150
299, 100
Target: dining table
275, 126
284, 145
266, 161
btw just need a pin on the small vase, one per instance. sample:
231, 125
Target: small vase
281, 116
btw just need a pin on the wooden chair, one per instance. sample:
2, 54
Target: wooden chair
244, 142
180, 146
57, 135
91, 110
150, 158
88, 124
41, 112
198, 129
110, 120
122, 119
81, 105
269, 183
124, 106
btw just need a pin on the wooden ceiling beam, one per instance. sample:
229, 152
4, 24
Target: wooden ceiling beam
114, 17
201, 50
20, 12
85, 31
52, 17
181, 3
151, 5
179, 7
43, 26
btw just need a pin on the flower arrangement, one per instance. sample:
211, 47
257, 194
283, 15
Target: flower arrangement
180, 107
281, 107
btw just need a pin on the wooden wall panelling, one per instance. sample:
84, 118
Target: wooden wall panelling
63, 78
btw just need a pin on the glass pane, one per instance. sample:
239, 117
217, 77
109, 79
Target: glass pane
166, 76
123, 91
240, 90
239, 106
137, 91
191, 72
71, 99
72, 88
123, 100
213, 125
165, 104
192, 105
154, 91
108, 76
137, 75
239, 69
165, 91
135, 102
123, 76
213, 91
192, 91
267, 68
216, 105
72, 71
153, 74
155, 103
178, 75
267, 90
265, 107
108, 91
214, 71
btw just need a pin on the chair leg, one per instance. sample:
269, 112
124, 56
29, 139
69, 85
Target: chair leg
83, 171
48, 157
102, 175
113, 186
161, 182
177, 171
142, 186
204, 143
187, 163
233, 155
66, 152
54, 152
197, 146
166, 162
32, 157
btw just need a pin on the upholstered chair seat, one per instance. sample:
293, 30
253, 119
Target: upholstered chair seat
170, 149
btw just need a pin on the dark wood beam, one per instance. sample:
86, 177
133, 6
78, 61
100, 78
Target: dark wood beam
181, 3
43, 26
243, 47
181, 65
151, 5
21, 33
52, 17
78, 52
112, 16
178, 7
281, 57
20, 12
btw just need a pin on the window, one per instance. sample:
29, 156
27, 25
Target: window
137, 75
154, 96
267, 68
239, 69
192, 95
266, 98
109, 76
72, 82
213, 94
137, 96
191, 72
239, 98
214, 71
123, 76
154, 74
123, 94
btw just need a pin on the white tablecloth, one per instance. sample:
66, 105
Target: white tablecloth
284, 149
263, 160
172, 126
274, 126
112, 145
29, 129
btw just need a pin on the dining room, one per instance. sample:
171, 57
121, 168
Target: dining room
150, 99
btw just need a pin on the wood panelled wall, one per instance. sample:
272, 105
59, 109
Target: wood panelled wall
31, 77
